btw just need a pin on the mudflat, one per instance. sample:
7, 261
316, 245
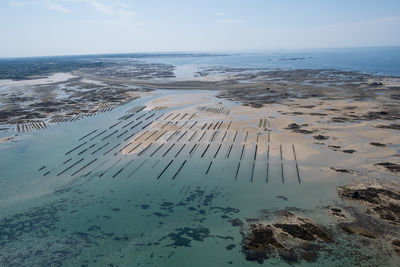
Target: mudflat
127, 163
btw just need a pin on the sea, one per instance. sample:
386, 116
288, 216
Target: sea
69, 197
373, 60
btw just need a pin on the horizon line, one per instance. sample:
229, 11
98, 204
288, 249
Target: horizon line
201, 52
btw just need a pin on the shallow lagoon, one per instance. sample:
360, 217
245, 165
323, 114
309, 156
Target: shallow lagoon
105, 215
134, 201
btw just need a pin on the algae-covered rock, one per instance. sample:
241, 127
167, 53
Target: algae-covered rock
288, 237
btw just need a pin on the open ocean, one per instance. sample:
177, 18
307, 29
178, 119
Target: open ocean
375, 60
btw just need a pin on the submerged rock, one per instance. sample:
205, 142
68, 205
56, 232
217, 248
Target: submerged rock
389, 126
376, 83
393, 167
383, 200
236, 222
262, 236
282, 197
304, 229
341, 170
321, 137
294, 127
354, 229
349, 151
377, 144
291, 238
396, 245
337, 213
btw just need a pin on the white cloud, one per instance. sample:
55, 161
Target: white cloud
47, 4
229, 21
223, 20
109, 8
16, 4
53, 5
96, 5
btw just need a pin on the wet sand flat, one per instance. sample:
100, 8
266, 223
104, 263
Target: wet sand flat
275, 167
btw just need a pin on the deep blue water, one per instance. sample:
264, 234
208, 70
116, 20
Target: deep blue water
379, 61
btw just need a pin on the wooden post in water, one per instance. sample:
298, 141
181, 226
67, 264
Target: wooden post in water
158, 177
71, 166
137, 168
84, 167
97, 135
267, 164
172, 135
237, 171
241, 154
109, 168
201, 137
205, 150
118, 136
168, 149
180, 168
130, 151
83, 137
190, 139
209, 166
229, 151
160, 136
297, 167
180, 137
180, 150
223, 138
283, 177
234, 138
252, 171
75, 148
216, 153
148, 137
155, 151
193, 125
144, 150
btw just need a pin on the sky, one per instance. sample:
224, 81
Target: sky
71, 27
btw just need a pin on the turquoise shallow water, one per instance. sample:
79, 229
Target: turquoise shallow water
165, 205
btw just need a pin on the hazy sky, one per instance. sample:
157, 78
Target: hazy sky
57, 27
